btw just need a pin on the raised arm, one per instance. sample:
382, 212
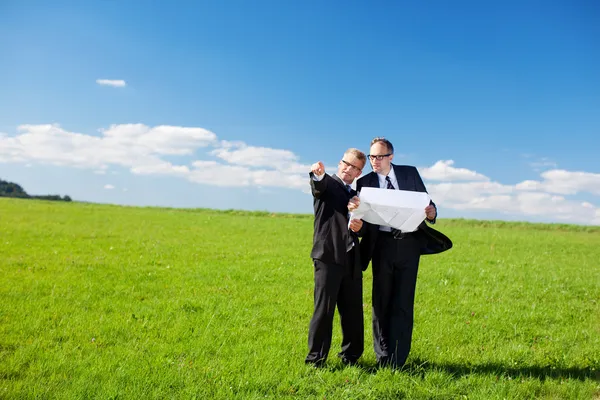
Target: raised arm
317, 184
431, 209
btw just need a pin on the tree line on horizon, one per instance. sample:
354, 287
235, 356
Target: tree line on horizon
11, 189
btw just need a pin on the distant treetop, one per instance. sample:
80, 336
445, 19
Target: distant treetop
11, 189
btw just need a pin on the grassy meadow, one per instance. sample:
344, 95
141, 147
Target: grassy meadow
100, 301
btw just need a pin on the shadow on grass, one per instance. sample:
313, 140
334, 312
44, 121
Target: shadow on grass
422, 367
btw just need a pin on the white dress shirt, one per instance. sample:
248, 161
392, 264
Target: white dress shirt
383, 185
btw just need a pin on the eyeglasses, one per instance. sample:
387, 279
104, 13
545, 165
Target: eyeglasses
354, 167
378, 156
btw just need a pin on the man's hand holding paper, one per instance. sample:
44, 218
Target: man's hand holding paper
399, 209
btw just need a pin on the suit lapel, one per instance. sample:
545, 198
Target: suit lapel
339, 181
374, 180
352, 192
402, 179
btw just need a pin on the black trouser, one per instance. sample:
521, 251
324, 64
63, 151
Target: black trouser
336, 284
395, 264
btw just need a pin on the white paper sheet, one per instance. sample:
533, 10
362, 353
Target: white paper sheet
400, 209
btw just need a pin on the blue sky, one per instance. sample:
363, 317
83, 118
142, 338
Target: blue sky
225, 104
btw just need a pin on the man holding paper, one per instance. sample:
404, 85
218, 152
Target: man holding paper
395, 256
338, 274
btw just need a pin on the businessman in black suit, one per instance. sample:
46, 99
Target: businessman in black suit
338, 274
395, 257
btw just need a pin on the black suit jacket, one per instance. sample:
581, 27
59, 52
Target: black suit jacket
332, 238
430, 240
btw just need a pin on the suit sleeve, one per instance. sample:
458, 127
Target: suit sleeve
421, 188
419, 182
318, 187
363, 229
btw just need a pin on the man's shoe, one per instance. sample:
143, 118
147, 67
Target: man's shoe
315, 363
383, 362
346, 360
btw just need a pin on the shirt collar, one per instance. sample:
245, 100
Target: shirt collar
391, 174
346, 186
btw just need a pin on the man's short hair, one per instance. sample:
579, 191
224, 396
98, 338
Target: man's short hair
386, 142
360, 156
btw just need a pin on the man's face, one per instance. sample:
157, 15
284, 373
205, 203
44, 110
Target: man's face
380, 158
350, 168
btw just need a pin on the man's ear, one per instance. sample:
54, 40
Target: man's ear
391, 157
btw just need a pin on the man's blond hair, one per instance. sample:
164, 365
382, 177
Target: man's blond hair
360, 156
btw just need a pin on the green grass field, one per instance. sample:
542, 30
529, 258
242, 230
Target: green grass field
107, 302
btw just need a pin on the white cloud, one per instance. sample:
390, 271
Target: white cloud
50, 144
443, 170
111, 82
455, 193
539, 163
493, 196
241, 154
543, 163
543, 198
148, 150
213, 173
142, 149
128, 145
173, 140
564, 182
161, 168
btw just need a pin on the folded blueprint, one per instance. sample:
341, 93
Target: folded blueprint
400, 209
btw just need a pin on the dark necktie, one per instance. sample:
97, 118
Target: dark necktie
396, 232
350, 243
389, 183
